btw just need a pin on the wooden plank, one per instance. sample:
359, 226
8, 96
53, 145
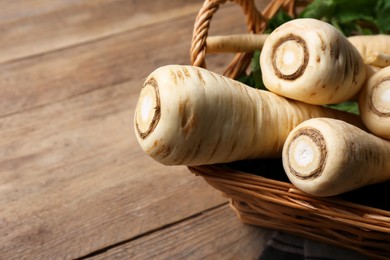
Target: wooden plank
77, 181
72, 178
55, 76
33, 27
216, 234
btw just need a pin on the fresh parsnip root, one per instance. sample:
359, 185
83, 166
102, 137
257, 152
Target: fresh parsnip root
374, 49
311, 61
374, 103
326, 157
377, 59
187, 115
235, 43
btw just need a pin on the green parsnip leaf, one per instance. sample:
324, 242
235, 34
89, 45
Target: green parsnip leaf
319, 9
256, 71
350, 17
277, 20
348, 106
382, 11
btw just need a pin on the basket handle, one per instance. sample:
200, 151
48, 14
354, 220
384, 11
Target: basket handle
202, 25
255, 20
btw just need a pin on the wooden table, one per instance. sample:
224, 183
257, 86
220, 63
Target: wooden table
74, 183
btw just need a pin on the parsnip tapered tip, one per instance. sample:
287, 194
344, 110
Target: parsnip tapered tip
290, 57
380, 98
148, 109
306, 154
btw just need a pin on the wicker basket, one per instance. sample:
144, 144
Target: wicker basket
346, 220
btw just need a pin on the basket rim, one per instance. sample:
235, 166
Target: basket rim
284, 193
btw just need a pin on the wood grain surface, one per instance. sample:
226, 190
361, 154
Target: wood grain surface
73, 180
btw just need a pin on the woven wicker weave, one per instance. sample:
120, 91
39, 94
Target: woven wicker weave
276, 204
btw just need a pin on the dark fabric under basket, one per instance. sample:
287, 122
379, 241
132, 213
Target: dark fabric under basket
276, 204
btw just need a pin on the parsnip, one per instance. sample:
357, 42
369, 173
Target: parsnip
378, 59
325, 157
190, 116
311, 61
235, 43
374, 103
374, 49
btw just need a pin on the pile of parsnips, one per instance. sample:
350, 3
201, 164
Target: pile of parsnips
187, 115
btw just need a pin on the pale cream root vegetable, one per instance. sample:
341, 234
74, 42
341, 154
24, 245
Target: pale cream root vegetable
375, 49
377, 59
326, 157
374, 103
311, 61
235, 43
191, 116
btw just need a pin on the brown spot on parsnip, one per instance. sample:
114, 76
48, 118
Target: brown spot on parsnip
353, 151
323, 45
173, 77
180, 75
346, 69
334, 50
356, 73
190, 125
186, 72
237, 85
318, 59
201, 78
187, 118
337, 50
162, 152
213, 75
